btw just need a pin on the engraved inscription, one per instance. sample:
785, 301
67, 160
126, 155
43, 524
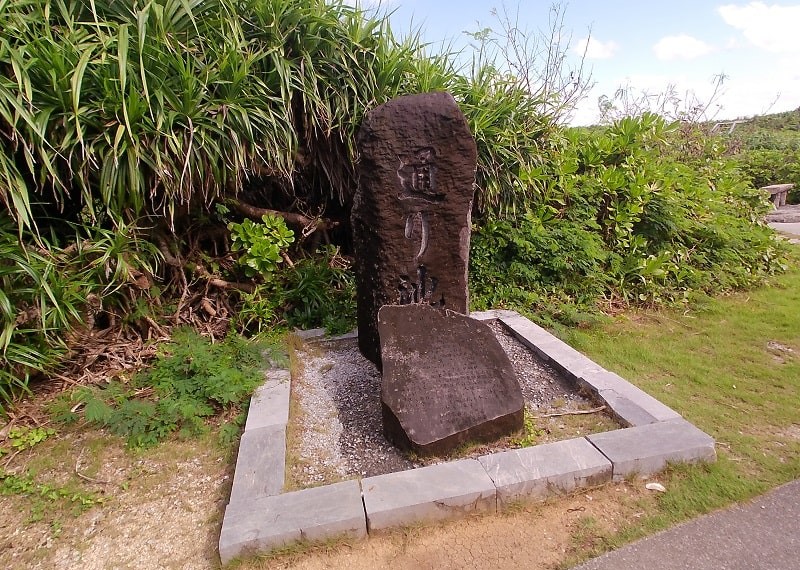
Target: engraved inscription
417, 176
473, 388
420, 290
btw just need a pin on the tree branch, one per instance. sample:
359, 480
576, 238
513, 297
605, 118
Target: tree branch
309, 225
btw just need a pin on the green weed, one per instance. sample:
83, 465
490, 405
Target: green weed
262, 244
531, 433
24, 437
191, 381
43, 496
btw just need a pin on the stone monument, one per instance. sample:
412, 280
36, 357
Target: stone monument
411, 214
446, 380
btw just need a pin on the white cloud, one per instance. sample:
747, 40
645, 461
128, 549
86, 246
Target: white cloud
681, 46
595, 49
769, 27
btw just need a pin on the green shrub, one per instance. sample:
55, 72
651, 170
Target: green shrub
142, 108
639, 212
769, 150
317, 291
262, 245
191, 381
772, 166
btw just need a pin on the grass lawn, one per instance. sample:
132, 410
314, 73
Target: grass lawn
731, 367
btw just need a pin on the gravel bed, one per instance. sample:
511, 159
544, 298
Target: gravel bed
337, 395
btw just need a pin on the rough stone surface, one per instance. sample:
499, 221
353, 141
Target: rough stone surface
788, 214
438, 492
492, 314
538, 472
646, 449
311, 514
260, 465
411, 212
446, 380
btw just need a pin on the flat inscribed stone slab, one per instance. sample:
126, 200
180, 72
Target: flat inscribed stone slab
311, 514
437, 492
446, 380
411, 212
540, 471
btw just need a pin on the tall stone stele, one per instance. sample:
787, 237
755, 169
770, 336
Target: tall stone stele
412, 211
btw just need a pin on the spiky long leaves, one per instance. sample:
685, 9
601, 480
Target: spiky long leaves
143, 107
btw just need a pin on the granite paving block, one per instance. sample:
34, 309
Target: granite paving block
310, 334
311, 514
646, 449
598, 380
569, 361
550, 348
429, 493
540, 471
626, 411
609, 386
493, 314
528, 332
269, 405
260, 466
346, 336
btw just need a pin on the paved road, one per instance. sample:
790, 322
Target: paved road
786, 228
789, 213
761, 535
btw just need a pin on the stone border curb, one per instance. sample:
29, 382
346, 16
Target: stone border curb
311, 514
258, 517
543, 470
431, 493
647, 449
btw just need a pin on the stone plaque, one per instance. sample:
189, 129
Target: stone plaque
411, 212
446, 380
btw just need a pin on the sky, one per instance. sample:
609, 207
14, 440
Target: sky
646, 47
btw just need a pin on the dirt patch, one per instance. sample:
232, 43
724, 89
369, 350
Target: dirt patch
535, 537
160, 509
780, 352
163, 508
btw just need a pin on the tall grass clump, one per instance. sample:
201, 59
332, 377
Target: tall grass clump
134, 118
152, 108
57, 285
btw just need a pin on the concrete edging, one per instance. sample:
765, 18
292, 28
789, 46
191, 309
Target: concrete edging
260, 517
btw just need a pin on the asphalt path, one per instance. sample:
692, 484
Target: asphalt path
761, 535
792, 228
